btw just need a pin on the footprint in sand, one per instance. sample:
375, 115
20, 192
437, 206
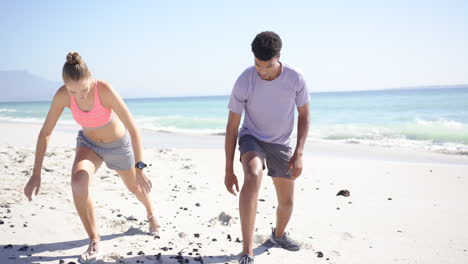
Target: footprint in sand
347, 236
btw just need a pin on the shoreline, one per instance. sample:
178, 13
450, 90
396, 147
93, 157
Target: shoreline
25, 134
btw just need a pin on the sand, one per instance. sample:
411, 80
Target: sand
404, 206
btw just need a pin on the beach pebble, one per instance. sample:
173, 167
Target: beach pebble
389, 199
131, 218
196, 235
197, 204
224, 218
141, 253
344, 193
319, 254
23, 248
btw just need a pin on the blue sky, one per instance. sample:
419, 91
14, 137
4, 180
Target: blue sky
182, 48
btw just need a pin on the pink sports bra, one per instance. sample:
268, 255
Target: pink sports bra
97, 117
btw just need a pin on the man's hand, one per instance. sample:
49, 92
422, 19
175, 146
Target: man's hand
295, 166
230, 180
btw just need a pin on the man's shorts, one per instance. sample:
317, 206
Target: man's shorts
277, 156
118, 155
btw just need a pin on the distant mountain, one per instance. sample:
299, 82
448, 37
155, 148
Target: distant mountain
24, 86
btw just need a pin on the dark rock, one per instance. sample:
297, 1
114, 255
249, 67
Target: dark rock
164, 248
61, 261
261, 200
23, 248
238, 240
129, 253
389, 199
214, 240
8, 246
1, 222
197, 204
141, 253
196, 235
131, 218
319, 254
229, 237
344, 193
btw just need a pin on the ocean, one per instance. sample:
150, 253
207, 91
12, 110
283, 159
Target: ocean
433, 119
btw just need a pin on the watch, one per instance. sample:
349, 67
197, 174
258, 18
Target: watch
140, 165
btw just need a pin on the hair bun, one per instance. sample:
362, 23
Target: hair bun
73, 58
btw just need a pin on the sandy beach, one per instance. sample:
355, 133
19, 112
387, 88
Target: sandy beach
404, 206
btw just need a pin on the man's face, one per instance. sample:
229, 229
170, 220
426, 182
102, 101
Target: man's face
267, 69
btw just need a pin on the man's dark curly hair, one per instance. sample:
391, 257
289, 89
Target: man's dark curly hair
266, 45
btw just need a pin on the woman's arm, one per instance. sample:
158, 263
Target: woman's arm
114, 101
58, 104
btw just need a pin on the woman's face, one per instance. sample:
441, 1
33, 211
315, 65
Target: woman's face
79, 89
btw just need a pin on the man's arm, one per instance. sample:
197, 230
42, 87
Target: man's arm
295, 163
302, 128
229, 148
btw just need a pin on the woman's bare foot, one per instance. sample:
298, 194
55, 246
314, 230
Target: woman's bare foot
153, 225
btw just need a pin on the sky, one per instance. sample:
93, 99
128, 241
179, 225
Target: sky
197, 48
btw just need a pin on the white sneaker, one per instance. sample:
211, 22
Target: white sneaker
92, 254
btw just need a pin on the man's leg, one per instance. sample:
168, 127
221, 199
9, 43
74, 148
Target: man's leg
252, 164
285, 193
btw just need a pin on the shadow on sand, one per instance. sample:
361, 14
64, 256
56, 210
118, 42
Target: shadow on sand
25, 253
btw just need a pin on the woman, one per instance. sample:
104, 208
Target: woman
109, 135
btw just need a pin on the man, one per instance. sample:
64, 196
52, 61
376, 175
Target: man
268, 92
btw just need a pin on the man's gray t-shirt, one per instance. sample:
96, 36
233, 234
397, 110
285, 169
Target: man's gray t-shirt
269, 105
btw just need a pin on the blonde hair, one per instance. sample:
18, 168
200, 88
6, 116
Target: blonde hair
75, 69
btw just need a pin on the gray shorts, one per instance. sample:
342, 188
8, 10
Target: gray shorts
277, 156
118, 155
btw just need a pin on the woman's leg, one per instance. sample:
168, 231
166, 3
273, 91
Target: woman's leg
85, 165
129, 178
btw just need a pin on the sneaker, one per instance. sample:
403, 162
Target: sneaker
92, 254
285, 242
246, 259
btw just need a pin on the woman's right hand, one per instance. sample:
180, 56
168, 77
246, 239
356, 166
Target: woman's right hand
33, 186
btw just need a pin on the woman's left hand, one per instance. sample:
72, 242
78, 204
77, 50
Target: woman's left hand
144, 184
